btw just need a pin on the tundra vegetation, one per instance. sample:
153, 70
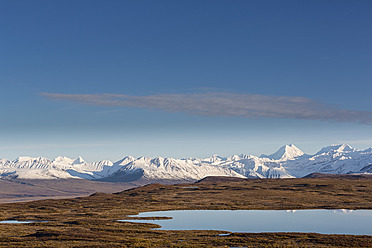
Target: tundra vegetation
92, 221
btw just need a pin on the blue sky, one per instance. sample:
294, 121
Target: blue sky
106, 79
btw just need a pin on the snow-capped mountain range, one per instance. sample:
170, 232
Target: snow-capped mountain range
287, 162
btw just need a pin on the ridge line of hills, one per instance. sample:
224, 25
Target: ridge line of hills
288, 162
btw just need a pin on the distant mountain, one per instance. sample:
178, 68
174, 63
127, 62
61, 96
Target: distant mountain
284, 153
288, 162
334, 159
173, 169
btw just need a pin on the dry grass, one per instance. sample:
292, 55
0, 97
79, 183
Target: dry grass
91, 221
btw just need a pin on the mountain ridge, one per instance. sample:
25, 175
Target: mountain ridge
288, 162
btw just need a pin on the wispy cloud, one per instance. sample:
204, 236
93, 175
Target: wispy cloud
225, 104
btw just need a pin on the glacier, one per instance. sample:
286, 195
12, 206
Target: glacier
288, 162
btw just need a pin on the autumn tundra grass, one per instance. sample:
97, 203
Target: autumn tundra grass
92, 221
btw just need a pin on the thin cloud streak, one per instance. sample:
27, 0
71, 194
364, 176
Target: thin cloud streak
225, 104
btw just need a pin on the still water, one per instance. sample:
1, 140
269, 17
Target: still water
21, 222
340, 221
15, 222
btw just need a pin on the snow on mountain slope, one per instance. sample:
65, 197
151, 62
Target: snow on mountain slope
284, 153
78, 160
176, 169
60, 167
63, 161
95, 170
255, 167
31, 171
335, 159
287, 162
344, 148
34, 173
31, 168
31, 163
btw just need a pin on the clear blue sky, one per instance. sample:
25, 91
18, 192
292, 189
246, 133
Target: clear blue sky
106, 79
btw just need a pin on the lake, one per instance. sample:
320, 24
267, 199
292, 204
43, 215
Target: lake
340, 221
15, 222
21, 222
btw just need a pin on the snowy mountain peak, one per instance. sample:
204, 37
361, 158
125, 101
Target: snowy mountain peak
215, 158
159, 161
79, 160
287, 162
125, 160
63, 160
343, 148
284, 153
24, 159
